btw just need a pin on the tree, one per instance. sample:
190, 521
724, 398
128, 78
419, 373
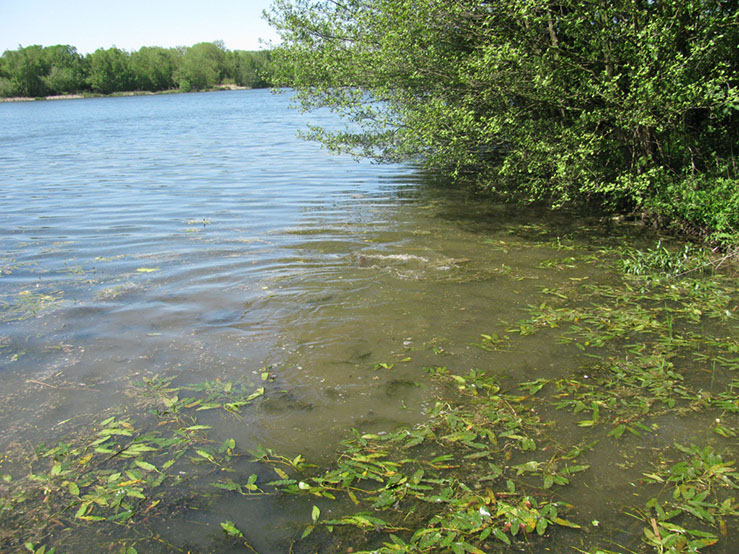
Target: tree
109, 71
622, 103
153, 68
251, 69
203, 65
66, 69
25, 69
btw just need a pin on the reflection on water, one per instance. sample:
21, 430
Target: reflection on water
144, 235
195, 237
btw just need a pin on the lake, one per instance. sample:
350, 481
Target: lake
196, 238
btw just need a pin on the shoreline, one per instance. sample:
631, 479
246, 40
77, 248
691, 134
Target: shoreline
83, 95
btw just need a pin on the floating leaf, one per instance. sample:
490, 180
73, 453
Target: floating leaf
146, 466
197, 427
82, 510
231, 530
205, 455
617, 431
255, 394
565, 523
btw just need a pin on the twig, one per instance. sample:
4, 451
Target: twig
41, 383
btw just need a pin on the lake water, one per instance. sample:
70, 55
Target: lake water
196, 237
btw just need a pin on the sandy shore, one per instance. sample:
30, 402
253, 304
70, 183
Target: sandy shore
130, 93
29, 99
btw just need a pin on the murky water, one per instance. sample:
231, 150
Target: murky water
196, 237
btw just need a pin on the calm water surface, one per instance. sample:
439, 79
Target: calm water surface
196, 237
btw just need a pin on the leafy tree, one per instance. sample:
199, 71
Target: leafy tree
109, 71
66, 69
6, 88
38, 71
153, 68
251, 69
203, 65
25, 69
623, 103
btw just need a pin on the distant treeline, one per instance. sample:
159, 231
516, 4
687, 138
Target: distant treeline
36, 71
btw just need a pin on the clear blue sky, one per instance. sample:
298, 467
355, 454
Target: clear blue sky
131, 24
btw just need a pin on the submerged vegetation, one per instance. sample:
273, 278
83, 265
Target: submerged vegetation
650, 413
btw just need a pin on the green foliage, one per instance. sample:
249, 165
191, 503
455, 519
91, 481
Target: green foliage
252, 69
708, 203
37, 71
109, 72
153, 68
614, 102
123, 471
25, 68
659, 262
445, 484
640, 330
201, 67
66, 69
691, 487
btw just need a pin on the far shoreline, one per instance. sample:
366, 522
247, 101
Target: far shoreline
83, 95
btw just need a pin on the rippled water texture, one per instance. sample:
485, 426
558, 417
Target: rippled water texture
196, 237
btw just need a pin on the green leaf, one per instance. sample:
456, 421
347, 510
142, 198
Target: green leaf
205, 455
501, 536
617, 431
146, 466
565, 523
255, 394
82, 510
315, 514
231, 530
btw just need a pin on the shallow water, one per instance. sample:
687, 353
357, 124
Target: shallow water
196, 237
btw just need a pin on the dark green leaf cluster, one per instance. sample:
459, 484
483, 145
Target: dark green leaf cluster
37, 71
631, 105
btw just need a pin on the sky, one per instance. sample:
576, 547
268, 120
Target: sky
131, 24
